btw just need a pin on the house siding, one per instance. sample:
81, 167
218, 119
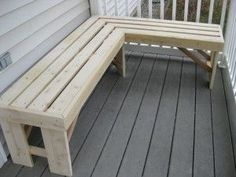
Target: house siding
30, 29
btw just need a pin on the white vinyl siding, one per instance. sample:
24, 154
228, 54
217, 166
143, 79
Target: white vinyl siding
30, 28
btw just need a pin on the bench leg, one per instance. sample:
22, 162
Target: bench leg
214, 61
17, 143
119, 62
58, 154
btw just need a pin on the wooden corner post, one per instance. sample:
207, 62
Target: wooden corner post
17, 142
57, 149
119, 62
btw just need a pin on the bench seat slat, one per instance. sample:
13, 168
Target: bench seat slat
166, 29
180, 40
51, 92
33, 90
167, 25
31, 117
73, 97
23, 82
165, 21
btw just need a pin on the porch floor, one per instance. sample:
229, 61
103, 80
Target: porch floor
161, 120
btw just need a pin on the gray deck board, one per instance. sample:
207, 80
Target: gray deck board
203, 150
182, 150
161, 120
222, 141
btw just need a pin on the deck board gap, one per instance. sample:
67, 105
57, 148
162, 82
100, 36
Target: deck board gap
194, 119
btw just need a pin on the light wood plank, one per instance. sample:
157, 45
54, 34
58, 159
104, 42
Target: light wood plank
161, 24
34, 150
160, 20
31, 117
187, 32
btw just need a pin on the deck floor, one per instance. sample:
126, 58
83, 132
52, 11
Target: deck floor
159, 121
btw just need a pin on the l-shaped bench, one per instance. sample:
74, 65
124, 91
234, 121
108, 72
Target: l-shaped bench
51, 94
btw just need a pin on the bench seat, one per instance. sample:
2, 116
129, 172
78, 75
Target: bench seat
51, 94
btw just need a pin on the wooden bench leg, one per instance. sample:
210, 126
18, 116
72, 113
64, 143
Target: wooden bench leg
214, 61
57, 149
119, 62
17, 143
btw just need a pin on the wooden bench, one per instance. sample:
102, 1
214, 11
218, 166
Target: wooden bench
51, 94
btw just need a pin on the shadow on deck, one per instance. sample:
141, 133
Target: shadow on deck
161, 120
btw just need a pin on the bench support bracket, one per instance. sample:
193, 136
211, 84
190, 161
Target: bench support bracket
210, 66
204, 54
214, 61
201, 62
